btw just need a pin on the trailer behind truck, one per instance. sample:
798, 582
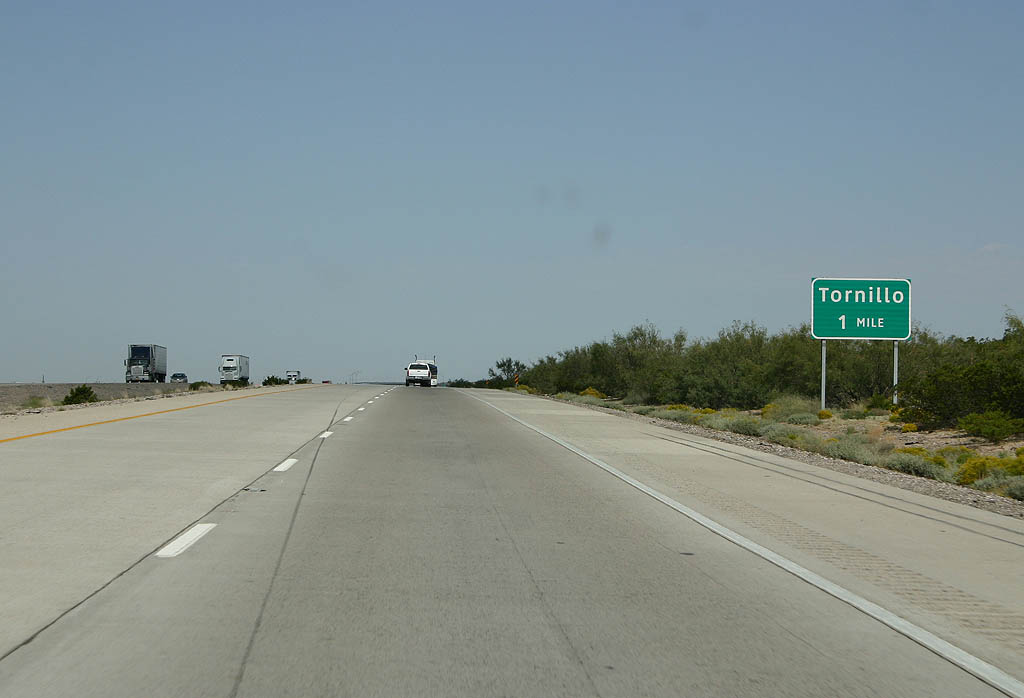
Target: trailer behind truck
146, 363
234, 367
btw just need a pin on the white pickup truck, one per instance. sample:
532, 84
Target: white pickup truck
421, 373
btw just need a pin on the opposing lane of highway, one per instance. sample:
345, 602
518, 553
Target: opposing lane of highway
431, 546
79, 507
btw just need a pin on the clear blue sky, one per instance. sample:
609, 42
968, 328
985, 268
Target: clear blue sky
336, 186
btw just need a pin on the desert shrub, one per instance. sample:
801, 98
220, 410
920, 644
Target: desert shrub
914, 465
803, 418
303, 381
781, 433
240, 383
924, 453
80, 395
855, 447
783, 407
908, 427
922, 418
981, 467
35, 402
707, 410
879, 402
676, 415
1015, 489
677, 406
201, 384
750, 426
877, 412
993, 425
824, 414
853, 414
274, 380
594, 392
527, 389
998, 479
956, 454
643, 409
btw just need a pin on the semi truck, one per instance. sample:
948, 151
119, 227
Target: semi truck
234, 367
293, 376
146, 363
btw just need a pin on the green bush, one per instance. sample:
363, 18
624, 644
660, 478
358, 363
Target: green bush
803, 418
879, 402
80, 395
854, 414
745, 425
35, 402
643, 409
955, 454
460, 383
1015, 489
908, 427
994, 425
915, 465
199, 384
982, 467
854, 447
783, 407
824, 414
274, 380
303, 381
594, 392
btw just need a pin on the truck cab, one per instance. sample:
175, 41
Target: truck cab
293, 376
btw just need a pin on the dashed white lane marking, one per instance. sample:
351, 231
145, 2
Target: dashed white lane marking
185, 541
361, 409
285, 465
326, 434
990, 674
369, 402
347, 419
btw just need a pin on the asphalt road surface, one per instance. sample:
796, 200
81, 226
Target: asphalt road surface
376, 541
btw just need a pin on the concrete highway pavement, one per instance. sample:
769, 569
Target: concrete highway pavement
425, 543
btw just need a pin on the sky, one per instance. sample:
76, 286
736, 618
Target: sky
337, 186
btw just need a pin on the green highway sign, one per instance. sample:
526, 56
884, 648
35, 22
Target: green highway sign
860, 309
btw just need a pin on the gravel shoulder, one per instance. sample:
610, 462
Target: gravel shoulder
933, 488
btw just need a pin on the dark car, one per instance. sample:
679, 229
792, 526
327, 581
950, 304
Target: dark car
179, 378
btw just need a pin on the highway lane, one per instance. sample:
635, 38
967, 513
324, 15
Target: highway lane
432, 546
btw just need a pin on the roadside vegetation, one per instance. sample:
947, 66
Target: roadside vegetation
80, 395
748, 381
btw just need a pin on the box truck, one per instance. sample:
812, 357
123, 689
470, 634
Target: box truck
234, 367
146, 363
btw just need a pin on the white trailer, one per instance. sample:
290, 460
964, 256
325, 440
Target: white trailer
233, 367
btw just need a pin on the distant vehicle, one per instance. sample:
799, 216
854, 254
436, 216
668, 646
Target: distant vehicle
421, 372
325, 382
293, 376
179, 378
146, 363
233, 367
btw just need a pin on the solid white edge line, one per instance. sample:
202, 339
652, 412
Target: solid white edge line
326, 434
185, 541
990, 674
347, 419
285, 465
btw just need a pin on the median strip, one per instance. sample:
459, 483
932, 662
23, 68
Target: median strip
149, 414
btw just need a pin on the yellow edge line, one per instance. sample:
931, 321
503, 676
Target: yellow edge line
150, 414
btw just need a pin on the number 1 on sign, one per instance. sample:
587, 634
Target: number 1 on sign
842, 319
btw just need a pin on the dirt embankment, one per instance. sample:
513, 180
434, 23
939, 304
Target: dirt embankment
15, 397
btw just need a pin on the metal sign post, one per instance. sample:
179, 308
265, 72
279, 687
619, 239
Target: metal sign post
823, 373
895, 371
